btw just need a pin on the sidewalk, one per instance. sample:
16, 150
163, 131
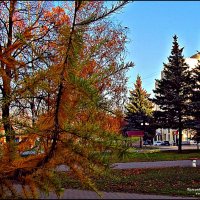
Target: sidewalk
84, 194
157, 164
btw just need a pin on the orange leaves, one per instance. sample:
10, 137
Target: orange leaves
104, 84
27, 142
18, 21
57, 16
45, 122
58, 10
44, 29
7, 59
6, 53
110, 122
88, 69
27, 34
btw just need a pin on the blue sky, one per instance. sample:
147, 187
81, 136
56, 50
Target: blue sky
152, 25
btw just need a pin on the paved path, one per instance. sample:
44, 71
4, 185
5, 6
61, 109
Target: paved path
175, 148
84, 194
157, 164
166, 148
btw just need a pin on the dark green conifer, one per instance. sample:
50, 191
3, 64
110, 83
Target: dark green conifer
139, 109
173, 92
195, 105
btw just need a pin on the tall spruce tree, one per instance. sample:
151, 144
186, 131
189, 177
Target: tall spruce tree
195, 104
173, 92
139, 109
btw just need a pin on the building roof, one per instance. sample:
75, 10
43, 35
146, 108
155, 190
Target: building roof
197, 56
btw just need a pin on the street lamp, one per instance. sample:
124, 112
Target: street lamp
144, 128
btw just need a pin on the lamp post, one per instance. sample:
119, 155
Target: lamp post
144, 124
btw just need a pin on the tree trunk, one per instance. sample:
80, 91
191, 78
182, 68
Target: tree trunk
180, 140
6, 116
9, 132
140, 142
144, 128
32, 105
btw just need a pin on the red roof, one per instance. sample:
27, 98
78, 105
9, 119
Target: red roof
135, 133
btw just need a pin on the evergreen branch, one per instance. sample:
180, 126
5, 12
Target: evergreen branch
96, 18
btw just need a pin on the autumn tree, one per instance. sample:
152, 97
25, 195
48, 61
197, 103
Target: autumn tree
18, 36
173, 92
139, 108
61, 70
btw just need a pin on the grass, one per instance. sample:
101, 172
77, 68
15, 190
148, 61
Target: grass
155, 155
174, 181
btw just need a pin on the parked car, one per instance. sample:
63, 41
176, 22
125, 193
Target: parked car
185, 142
157, 143
193, 142
147, 142
165, 143
31, 152
28, 153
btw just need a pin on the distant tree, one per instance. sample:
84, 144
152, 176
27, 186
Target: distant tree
139, 109
173, 92
195, 105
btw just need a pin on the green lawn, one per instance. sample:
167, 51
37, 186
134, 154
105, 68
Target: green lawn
166, 181
156, 155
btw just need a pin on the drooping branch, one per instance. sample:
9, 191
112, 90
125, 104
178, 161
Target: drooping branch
60, 91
